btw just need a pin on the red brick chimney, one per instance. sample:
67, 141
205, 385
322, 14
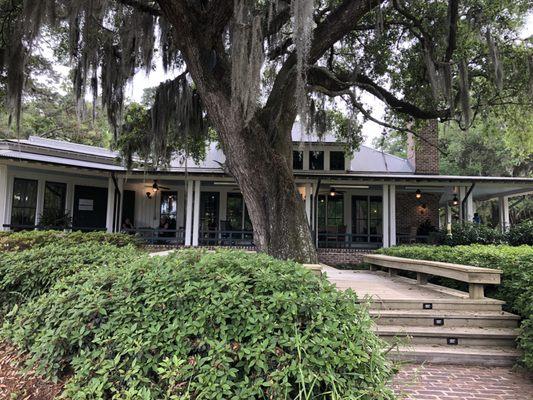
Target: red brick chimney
422, 152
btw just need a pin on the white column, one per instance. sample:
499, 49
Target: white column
110, 202
188, 214
448, 221
469, 206
196, 214
504, 213
392, 215
223, 206
386, 233
3, 196
40, 200
462, 193
308, 191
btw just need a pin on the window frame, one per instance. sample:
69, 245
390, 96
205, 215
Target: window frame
316, 156
343, 158
31, 207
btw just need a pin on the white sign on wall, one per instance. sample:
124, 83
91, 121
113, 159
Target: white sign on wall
86, 205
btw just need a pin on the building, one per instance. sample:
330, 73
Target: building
354, 202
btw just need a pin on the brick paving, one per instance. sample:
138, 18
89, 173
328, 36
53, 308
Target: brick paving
452, 382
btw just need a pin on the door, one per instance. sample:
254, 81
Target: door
90, 207
367, 219
209, 205
128, 206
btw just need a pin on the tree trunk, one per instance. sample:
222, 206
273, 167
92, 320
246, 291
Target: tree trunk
258, 154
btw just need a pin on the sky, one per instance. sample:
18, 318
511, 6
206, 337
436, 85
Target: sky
371, 130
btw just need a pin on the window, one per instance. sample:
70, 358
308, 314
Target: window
297, 160
55, 195
316, 160
169, 208
367, 218
336, 160
236, 213
330, 212
24, 202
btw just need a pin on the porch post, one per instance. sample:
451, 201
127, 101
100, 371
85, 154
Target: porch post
3, 197
392, 215
308, 191
196, 214
461, 198
110, 217
448, 219
188, 214
469, 207
40, 201
385, 223
504, 213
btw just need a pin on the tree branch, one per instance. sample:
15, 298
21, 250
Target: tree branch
453, 11
320, 76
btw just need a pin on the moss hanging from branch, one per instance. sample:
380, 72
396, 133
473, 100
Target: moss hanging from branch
497, 68
464, 93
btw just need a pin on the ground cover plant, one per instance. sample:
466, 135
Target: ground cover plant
202, 326
13, 241
516, 288
27, 274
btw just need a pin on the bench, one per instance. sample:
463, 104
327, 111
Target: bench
476, 277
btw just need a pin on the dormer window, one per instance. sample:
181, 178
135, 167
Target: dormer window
336, 161
297, 160
316, 160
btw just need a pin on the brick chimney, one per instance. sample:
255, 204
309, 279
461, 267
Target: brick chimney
423, 154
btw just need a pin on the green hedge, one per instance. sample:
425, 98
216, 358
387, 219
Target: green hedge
15, 241
27, 274
211, 326
521, 233
516, 288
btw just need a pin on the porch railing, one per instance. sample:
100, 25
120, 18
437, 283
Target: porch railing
226, 238
23, 227
158, 236
341, 240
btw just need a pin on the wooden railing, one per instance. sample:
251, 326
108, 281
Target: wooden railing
22, 227
226, 238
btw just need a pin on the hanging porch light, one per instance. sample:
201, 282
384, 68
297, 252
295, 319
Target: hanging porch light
455, 200
418, 194
332, 192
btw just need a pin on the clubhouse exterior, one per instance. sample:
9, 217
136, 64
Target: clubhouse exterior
354, 202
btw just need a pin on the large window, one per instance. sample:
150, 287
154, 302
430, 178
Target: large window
336, 160
236, 214
367, 218
316, 160
169, 209
297, 160
55, 195
330, 212
24, 202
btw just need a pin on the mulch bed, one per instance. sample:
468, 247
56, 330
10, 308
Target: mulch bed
15, 385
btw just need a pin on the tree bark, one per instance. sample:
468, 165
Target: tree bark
258, 153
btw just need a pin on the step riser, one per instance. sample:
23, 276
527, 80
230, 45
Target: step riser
448, 322
469, 359
436, 306
467, 341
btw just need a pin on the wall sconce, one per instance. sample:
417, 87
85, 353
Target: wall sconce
148, 195
455, 200
332, 192
418, 194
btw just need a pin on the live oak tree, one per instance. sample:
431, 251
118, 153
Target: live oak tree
249, 67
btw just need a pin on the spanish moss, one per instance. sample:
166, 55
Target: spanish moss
497, 68
464, 93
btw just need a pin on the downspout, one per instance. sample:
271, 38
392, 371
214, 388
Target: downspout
463, 202
115, 204
315, 213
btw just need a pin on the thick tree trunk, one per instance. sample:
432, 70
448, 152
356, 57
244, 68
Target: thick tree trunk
258, 154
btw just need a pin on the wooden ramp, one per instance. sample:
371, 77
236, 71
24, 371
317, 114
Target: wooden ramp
432, 323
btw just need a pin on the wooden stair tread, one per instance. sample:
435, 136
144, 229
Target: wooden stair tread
437, 331
390, 313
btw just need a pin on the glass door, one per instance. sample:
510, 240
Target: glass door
367, 219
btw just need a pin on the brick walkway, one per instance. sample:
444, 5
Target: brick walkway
447, 382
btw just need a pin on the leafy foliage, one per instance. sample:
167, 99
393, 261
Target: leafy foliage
521, 234
470, 233
516, 288
193, 325
12, 241
27, 274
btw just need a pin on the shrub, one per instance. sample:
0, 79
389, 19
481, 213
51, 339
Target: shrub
214, 326
521, 233
27, 274
11, 241
470, 233
516, 288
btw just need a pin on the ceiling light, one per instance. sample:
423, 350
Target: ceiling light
418, 194
455, 200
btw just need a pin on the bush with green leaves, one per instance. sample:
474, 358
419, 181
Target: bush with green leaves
14, 241
27, 274
516, 288
470, 233
224, 325
521, 233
